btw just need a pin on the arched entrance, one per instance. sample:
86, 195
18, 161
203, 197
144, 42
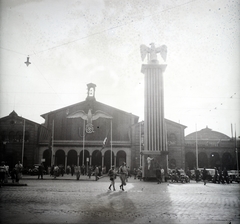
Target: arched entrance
60, 157
86, 155
190, 160
96, 158
121, 157
47, 156
202, 160
214, 160
107, 159
227, 161
72, 158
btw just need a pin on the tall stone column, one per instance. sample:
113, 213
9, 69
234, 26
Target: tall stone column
154, 127
154, 122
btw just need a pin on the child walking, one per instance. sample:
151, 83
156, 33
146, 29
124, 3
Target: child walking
112, 175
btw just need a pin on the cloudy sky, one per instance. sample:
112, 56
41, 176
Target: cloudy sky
73, 43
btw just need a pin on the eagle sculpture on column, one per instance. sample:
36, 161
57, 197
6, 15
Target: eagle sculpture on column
89, 117
152, 57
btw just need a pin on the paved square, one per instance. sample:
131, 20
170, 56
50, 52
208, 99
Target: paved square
66, 200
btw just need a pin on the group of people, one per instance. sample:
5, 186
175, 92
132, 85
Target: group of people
220, 176
123, 173
77, 170
16, 173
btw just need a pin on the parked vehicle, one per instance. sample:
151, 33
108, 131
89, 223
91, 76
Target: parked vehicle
234, 176
210, 174
184, 178
176, 175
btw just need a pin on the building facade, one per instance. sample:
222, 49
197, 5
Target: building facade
19, 140
213, 148
89, 132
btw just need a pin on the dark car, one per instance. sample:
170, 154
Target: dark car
210, 174
234, 176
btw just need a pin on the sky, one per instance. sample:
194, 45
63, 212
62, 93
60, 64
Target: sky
73, 43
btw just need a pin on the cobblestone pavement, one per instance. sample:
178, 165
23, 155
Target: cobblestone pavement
66, 200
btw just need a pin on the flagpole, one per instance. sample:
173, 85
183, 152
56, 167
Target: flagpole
236, 151
111, 144
83, 141
52, 162
23, 140
166, 142
140, 141
196, 148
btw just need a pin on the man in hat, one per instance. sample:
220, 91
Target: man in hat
112, 176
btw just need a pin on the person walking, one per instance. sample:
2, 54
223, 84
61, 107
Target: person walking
135, 173
3, 172
112, 176
96, 172
215, 179
197, 175
56, 171
77, 170
162, 174
158, 175
89, 172
40, 171
19, 168
204, 176
72, 169
123, 175
83, 169
225, 176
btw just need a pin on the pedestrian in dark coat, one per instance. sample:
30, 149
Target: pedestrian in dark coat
225, 175
89, 172
18, 168
96, 172
40, 171
158, 176
72, 169
204, 176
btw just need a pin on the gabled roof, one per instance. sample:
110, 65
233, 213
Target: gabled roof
84, 102
175, 123
14, 115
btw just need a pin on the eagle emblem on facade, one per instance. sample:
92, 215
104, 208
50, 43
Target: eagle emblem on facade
89, 117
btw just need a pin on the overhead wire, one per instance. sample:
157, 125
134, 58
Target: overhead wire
103, 31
